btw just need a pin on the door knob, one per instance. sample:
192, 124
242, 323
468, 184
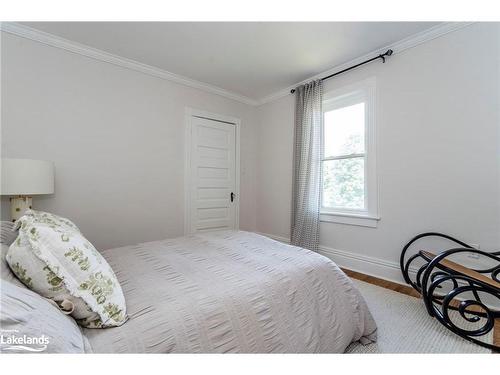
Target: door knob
232, 196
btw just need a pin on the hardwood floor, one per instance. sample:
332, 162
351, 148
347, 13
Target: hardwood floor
405, 289
408, 291
496, 334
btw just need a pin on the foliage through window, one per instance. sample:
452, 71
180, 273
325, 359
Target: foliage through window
347, 183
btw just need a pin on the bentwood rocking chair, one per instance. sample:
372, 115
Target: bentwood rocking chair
460, 287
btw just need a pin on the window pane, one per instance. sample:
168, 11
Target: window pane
344, 183
344, 130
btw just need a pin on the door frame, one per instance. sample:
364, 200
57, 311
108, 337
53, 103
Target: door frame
189, 113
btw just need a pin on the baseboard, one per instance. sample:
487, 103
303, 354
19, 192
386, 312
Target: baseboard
380, 268
371, 266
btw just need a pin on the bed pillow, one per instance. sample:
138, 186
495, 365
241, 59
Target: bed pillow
52, 220
51, 257
7, 232
8, 235
41, 327
6, 273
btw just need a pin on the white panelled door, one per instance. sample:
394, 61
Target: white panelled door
213, 196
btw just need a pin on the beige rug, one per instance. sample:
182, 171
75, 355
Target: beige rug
405, 327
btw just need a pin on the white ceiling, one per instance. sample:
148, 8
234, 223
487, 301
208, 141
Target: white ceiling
253, 59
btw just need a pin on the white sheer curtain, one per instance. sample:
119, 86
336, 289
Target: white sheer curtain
307, 166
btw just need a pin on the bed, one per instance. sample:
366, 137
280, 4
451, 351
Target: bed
232, 291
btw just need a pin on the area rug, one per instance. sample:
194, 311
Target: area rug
405, 327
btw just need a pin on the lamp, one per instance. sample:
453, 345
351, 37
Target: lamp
22, 178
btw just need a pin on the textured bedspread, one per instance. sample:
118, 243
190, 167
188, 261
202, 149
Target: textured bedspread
232, 292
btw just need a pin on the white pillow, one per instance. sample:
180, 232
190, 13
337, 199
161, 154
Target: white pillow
41, 327
7, 233
7, 237
6, 273
52, 220
51, 257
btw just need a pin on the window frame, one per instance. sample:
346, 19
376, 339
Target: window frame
360, 92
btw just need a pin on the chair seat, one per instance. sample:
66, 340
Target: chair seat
458, 268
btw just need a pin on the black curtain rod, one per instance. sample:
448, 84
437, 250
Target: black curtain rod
382, 56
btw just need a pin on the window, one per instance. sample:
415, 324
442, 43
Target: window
349, 187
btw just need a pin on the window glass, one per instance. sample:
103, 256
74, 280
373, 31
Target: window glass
344, 131
344, 183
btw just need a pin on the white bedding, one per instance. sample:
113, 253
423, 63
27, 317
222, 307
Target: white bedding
232, 291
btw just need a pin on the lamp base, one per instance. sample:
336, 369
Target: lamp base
18, 205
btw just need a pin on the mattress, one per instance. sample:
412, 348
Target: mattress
232, 291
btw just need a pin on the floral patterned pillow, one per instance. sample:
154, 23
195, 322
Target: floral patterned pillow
52, 220
51, 257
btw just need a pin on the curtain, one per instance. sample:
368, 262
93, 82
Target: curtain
307, 166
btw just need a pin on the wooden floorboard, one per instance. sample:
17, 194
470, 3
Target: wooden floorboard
496, 334
408, 290
405, 289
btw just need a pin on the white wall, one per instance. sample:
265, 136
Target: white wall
438, 158
116, 137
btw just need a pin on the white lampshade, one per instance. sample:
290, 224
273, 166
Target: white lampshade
27, 177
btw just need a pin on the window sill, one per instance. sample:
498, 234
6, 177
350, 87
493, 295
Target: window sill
350, 219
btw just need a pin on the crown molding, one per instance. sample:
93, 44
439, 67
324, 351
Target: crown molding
94, 53
398, 47
68, 45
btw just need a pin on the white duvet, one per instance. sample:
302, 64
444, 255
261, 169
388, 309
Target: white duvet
232, 291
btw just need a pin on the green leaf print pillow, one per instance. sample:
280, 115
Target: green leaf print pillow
51, 257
